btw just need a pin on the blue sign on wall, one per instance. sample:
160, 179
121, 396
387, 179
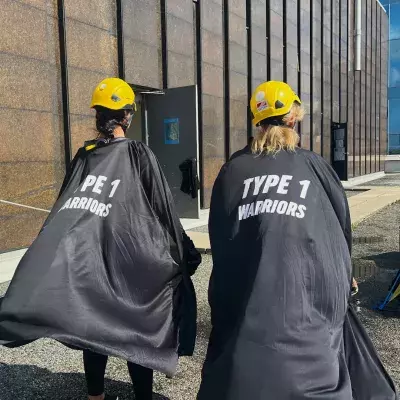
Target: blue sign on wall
171, 131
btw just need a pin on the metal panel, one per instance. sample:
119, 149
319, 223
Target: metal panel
384, 79
348, 6
257, 48
305, 40
180, 44
236, 70
378, 85
211, 32
276, 50
326, 81
316, 99
372, 118
367, 113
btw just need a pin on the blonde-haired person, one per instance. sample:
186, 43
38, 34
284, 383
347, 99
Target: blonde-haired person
279, 292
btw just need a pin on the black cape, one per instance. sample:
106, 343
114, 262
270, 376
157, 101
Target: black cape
281, 325
108, 271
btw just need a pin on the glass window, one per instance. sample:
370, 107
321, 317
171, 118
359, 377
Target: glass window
394, 71
394, 15
394, 116
393, 140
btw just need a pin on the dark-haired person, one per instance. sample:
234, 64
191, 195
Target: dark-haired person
280, 231
109, 272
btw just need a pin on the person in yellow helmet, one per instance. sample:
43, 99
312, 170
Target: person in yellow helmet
109, 273
280, 233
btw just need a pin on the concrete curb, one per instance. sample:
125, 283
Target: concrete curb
360, 180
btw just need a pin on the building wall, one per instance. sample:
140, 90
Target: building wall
237, 75
368, 124
31, 150
181, 41
211, 52
393, 10
226, 47
92, 56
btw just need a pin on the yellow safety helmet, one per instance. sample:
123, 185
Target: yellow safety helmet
272, 99
114, 94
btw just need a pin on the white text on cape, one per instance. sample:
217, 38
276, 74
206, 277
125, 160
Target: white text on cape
87, 203
280, 185
271, 206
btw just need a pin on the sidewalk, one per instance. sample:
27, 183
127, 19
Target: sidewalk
362, 205
8, 264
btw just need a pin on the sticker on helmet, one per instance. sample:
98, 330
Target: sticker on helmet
102, 86
115, 98
262, 105
260, 96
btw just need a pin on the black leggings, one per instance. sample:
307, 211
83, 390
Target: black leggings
95, 368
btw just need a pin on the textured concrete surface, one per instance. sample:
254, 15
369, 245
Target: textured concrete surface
200, 239
387, 180
383, 225
351, 193
201, 229
375, 265
363, 179
8, 263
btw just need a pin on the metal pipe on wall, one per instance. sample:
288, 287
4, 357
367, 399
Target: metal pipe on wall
358, 35
120, 40
64, 81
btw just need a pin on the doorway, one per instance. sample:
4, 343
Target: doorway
167, 121
339, 149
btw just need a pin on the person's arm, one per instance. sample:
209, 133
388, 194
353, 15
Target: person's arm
162, 202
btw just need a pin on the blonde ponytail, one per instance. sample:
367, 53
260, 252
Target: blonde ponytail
271, 139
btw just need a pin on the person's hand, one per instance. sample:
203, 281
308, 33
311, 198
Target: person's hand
354, 287
192, 257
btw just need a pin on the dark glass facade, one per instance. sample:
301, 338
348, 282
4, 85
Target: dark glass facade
393, 10
226, 47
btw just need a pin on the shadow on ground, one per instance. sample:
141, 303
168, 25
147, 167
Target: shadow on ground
373, 290
388, 260
28, 382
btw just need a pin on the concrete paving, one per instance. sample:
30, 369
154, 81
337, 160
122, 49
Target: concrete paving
375, 198
388, 180
8, 264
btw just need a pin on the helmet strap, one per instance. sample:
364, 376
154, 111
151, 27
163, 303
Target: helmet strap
274, 121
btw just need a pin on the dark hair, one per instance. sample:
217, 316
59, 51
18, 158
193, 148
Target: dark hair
274, 121
107, 120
